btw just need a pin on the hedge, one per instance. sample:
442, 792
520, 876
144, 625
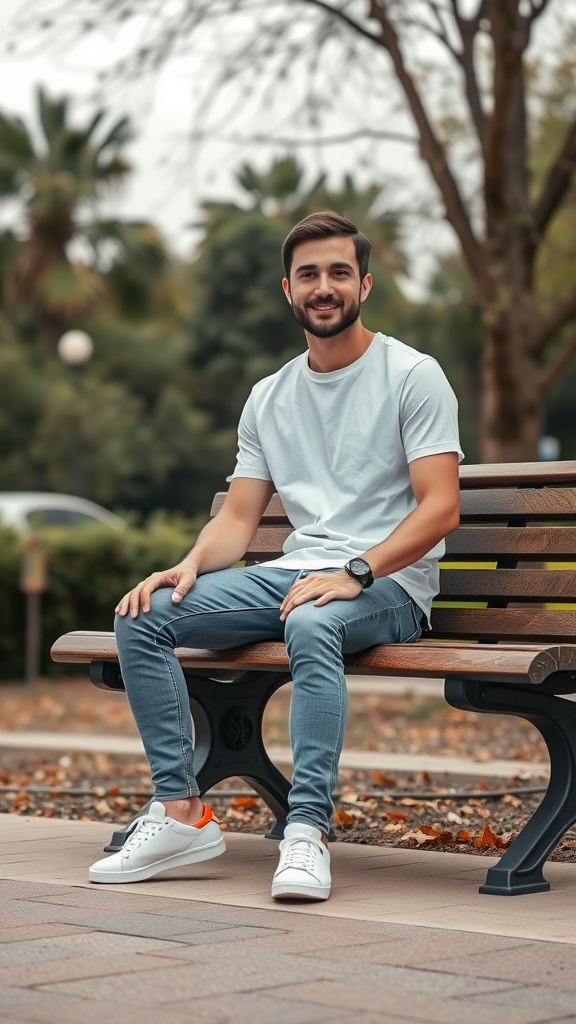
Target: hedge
89, 569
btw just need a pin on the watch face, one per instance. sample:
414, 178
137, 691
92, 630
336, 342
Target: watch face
359, 566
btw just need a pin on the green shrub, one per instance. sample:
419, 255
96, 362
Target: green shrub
89, 569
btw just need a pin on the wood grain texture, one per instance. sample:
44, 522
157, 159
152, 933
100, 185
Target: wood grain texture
509, 584
516, 662
539, 543
505, 623
529, 503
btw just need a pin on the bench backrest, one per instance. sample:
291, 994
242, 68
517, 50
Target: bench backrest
510, 568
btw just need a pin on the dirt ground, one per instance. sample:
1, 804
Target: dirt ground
401, 810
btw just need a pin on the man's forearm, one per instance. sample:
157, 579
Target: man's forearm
222, 542
422, 529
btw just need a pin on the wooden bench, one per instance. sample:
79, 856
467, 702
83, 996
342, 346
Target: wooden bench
513, 654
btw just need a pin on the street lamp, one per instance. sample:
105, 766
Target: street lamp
75, 348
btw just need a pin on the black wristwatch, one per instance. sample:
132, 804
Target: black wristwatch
359, 569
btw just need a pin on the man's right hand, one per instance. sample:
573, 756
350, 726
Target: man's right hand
181, 577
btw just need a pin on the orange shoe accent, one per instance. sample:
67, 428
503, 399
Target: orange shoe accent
206, 817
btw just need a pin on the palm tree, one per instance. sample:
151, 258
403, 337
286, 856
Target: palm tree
58, 181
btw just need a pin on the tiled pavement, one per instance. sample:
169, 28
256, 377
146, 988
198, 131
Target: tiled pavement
405, 937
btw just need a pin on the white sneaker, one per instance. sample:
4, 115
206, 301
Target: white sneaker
303, 871
158, 843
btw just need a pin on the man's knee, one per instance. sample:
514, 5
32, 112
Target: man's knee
146, 624
309, 626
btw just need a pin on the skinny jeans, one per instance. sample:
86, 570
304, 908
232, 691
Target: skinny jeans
232, 607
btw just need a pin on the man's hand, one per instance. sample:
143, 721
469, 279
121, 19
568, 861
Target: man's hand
325, 586
181, 577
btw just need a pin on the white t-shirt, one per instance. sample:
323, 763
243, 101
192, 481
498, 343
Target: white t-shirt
337, 447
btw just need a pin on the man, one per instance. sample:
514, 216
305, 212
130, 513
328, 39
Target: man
359, 437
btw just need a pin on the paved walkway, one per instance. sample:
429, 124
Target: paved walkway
366, 760
404, 937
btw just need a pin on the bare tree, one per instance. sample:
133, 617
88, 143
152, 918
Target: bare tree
320, 47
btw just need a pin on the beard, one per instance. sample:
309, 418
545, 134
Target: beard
348, 316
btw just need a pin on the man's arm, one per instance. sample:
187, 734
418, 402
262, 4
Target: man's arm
221, 543
436, 487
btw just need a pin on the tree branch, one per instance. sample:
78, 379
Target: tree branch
562, 314
342, 16
326, 140
537, 9
468, 28
556, 184
430, 148
560, 360
509, 46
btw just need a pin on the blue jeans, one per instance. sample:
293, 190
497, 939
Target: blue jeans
240, 606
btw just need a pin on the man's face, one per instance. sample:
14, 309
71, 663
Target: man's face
325, 290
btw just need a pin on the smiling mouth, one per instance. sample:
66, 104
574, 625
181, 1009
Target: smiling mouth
324, 307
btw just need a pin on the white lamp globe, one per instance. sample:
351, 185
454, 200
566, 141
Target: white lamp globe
75, 348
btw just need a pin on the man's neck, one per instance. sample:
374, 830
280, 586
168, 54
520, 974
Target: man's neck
327, 354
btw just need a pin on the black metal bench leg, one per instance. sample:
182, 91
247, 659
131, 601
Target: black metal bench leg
519, 871
228, 740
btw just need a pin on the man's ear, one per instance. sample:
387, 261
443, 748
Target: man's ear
286, 287
365, 287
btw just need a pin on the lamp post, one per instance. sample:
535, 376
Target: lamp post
75, 348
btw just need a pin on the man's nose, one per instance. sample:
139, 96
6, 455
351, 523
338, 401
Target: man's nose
323, 285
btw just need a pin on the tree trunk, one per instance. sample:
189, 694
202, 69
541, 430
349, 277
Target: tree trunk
511, 398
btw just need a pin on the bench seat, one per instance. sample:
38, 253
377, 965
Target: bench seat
503, 639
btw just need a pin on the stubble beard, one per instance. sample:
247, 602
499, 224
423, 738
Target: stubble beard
348, 317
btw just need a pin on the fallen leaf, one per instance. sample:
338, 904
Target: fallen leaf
396, 815
349, 798
512, 800
488, 838
343, 818
244, 802
383, 780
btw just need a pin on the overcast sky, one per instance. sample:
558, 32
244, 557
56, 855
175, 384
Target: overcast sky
170, 181
169, 184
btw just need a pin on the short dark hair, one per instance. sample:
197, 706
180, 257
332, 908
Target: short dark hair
326, 224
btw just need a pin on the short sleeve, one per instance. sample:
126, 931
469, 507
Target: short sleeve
250, 460
428, 413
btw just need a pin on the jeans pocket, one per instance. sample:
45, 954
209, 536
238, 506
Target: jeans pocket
417, 623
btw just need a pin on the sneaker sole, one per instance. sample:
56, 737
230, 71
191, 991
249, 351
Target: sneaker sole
141, 874
317, 893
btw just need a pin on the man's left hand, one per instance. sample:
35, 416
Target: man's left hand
324, 586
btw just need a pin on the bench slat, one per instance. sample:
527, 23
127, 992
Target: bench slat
508, 584
528, 623
492, 542
504, 474
521, 662
537, 543
530, 503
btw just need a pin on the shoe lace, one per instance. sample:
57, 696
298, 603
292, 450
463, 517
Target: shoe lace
145, 828
301, 853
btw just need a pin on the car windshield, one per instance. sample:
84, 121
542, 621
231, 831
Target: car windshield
59, 517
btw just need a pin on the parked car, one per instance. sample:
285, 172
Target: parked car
27, 511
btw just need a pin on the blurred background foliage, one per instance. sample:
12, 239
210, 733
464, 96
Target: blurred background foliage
79, 595
179, 343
